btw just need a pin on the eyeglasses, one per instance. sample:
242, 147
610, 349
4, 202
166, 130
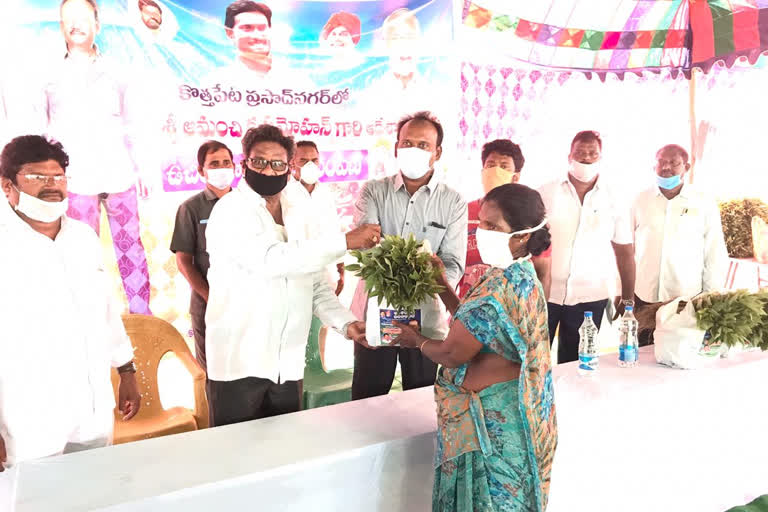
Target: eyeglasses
261, 163
41, 179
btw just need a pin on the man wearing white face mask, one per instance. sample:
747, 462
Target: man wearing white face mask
214, 161
60, 332
591, 233
680, 249
412, 202
311, 207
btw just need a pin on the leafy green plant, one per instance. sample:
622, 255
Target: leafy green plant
398, 271
736, 217
732, 318
760, 332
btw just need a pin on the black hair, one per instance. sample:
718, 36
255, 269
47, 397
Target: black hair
241, 6
210, 146
522, 208
680, 150
588, 136
149, 3
28, 149
267, 133
507, 148
307, 144
422, 116
92, 3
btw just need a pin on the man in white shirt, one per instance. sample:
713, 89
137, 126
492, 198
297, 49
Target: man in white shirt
90, 104
679, 245
60, 334
313, 208
590, 234
265, 282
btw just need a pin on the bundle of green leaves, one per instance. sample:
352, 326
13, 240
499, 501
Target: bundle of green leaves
737, 317
399, 272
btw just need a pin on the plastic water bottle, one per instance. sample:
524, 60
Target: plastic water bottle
589, 355
628, 339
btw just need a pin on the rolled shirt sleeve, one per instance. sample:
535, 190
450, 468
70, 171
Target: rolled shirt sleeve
453, 249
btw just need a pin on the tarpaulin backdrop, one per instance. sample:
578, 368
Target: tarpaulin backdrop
187, 85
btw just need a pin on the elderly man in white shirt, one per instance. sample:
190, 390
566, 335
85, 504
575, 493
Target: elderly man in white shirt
590, 234
266, 280
313, 208
60, 334
679, 244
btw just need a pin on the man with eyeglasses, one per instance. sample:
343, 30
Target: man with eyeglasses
679, 245
60, 332
188, 242
591, 236
266, 281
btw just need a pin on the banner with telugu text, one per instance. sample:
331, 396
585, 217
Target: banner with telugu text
171, 74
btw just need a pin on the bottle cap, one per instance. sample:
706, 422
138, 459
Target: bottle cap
587, 314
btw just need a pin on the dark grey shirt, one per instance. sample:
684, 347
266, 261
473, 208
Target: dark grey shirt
189, 237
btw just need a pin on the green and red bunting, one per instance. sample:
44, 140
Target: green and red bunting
726, 30
631, 35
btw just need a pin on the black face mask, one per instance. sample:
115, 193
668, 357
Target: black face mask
265, 185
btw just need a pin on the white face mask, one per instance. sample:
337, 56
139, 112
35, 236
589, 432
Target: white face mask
39, 210
311, 173
494, 246
584, 172
220, 178
413, 162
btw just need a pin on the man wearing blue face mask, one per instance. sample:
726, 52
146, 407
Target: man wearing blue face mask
679, 245
412, 202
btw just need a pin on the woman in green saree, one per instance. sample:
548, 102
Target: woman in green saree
497, 431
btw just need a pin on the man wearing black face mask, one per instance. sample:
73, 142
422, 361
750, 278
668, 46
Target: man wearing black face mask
265, 284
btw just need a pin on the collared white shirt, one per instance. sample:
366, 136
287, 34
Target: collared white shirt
436, 213
92, 110
313, 214
265, 284
60, 335
679, 245
583, 261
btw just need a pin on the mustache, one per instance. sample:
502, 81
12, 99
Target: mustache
51, 193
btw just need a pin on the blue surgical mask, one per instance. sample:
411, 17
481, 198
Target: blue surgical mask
668, 183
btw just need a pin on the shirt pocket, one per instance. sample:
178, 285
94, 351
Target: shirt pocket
435, 236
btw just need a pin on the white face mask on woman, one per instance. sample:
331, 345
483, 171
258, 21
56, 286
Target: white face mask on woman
39, 210
494, 246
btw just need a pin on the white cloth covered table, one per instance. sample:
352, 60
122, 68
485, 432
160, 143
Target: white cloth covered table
649, 438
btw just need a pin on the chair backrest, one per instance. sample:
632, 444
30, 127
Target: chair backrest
312, 358
151, 338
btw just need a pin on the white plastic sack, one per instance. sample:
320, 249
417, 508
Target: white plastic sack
677, 340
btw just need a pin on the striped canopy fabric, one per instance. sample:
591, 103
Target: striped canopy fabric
627, 35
